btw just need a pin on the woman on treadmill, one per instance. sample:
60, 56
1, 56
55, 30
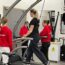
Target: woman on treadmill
34, 33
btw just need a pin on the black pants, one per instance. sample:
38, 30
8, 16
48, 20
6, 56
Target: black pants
24, 49
44, 48
33, 47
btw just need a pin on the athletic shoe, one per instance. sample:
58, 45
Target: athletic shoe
48, 63
26, 62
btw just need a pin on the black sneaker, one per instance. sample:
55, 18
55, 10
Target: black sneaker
26, 62
48, 63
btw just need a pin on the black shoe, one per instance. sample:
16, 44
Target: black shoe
48, 63
26, 62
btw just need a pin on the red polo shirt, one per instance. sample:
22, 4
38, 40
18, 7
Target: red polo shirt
5, 37
50, 27
46, 32
23, 30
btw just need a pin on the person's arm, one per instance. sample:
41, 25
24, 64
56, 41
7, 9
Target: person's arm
43, 33
43, 36
32, 24
30, 31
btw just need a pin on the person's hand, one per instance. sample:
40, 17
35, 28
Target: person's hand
23, 37
39, 41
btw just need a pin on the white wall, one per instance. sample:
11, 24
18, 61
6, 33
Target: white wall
56, 5
24, 4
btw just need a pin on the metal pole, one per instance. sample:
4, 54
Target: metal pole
11, 7
54, 31
42, 9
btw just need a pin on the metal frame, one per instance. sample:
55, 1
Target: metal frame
23, 15
11, 7
61, 23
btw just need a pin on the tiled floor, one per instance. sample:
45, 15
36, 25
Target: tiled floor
38, 62
52, 63
59, 63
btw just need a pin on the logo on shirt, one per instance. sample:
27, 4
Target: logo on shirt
2, 35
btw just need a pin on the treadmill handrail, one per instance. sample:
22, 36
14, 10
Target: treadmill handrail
11, 7
44, 36
25, 38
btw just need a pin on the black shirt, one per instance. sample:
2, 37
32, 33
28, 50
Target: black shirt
35, 32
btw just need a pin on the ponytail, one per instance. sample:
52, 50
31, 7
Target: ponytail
34, 12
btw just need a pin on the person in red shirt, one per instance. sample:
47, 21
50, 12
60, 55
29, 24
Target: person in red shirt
45, 35
51, 28
23, 31
5, 40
